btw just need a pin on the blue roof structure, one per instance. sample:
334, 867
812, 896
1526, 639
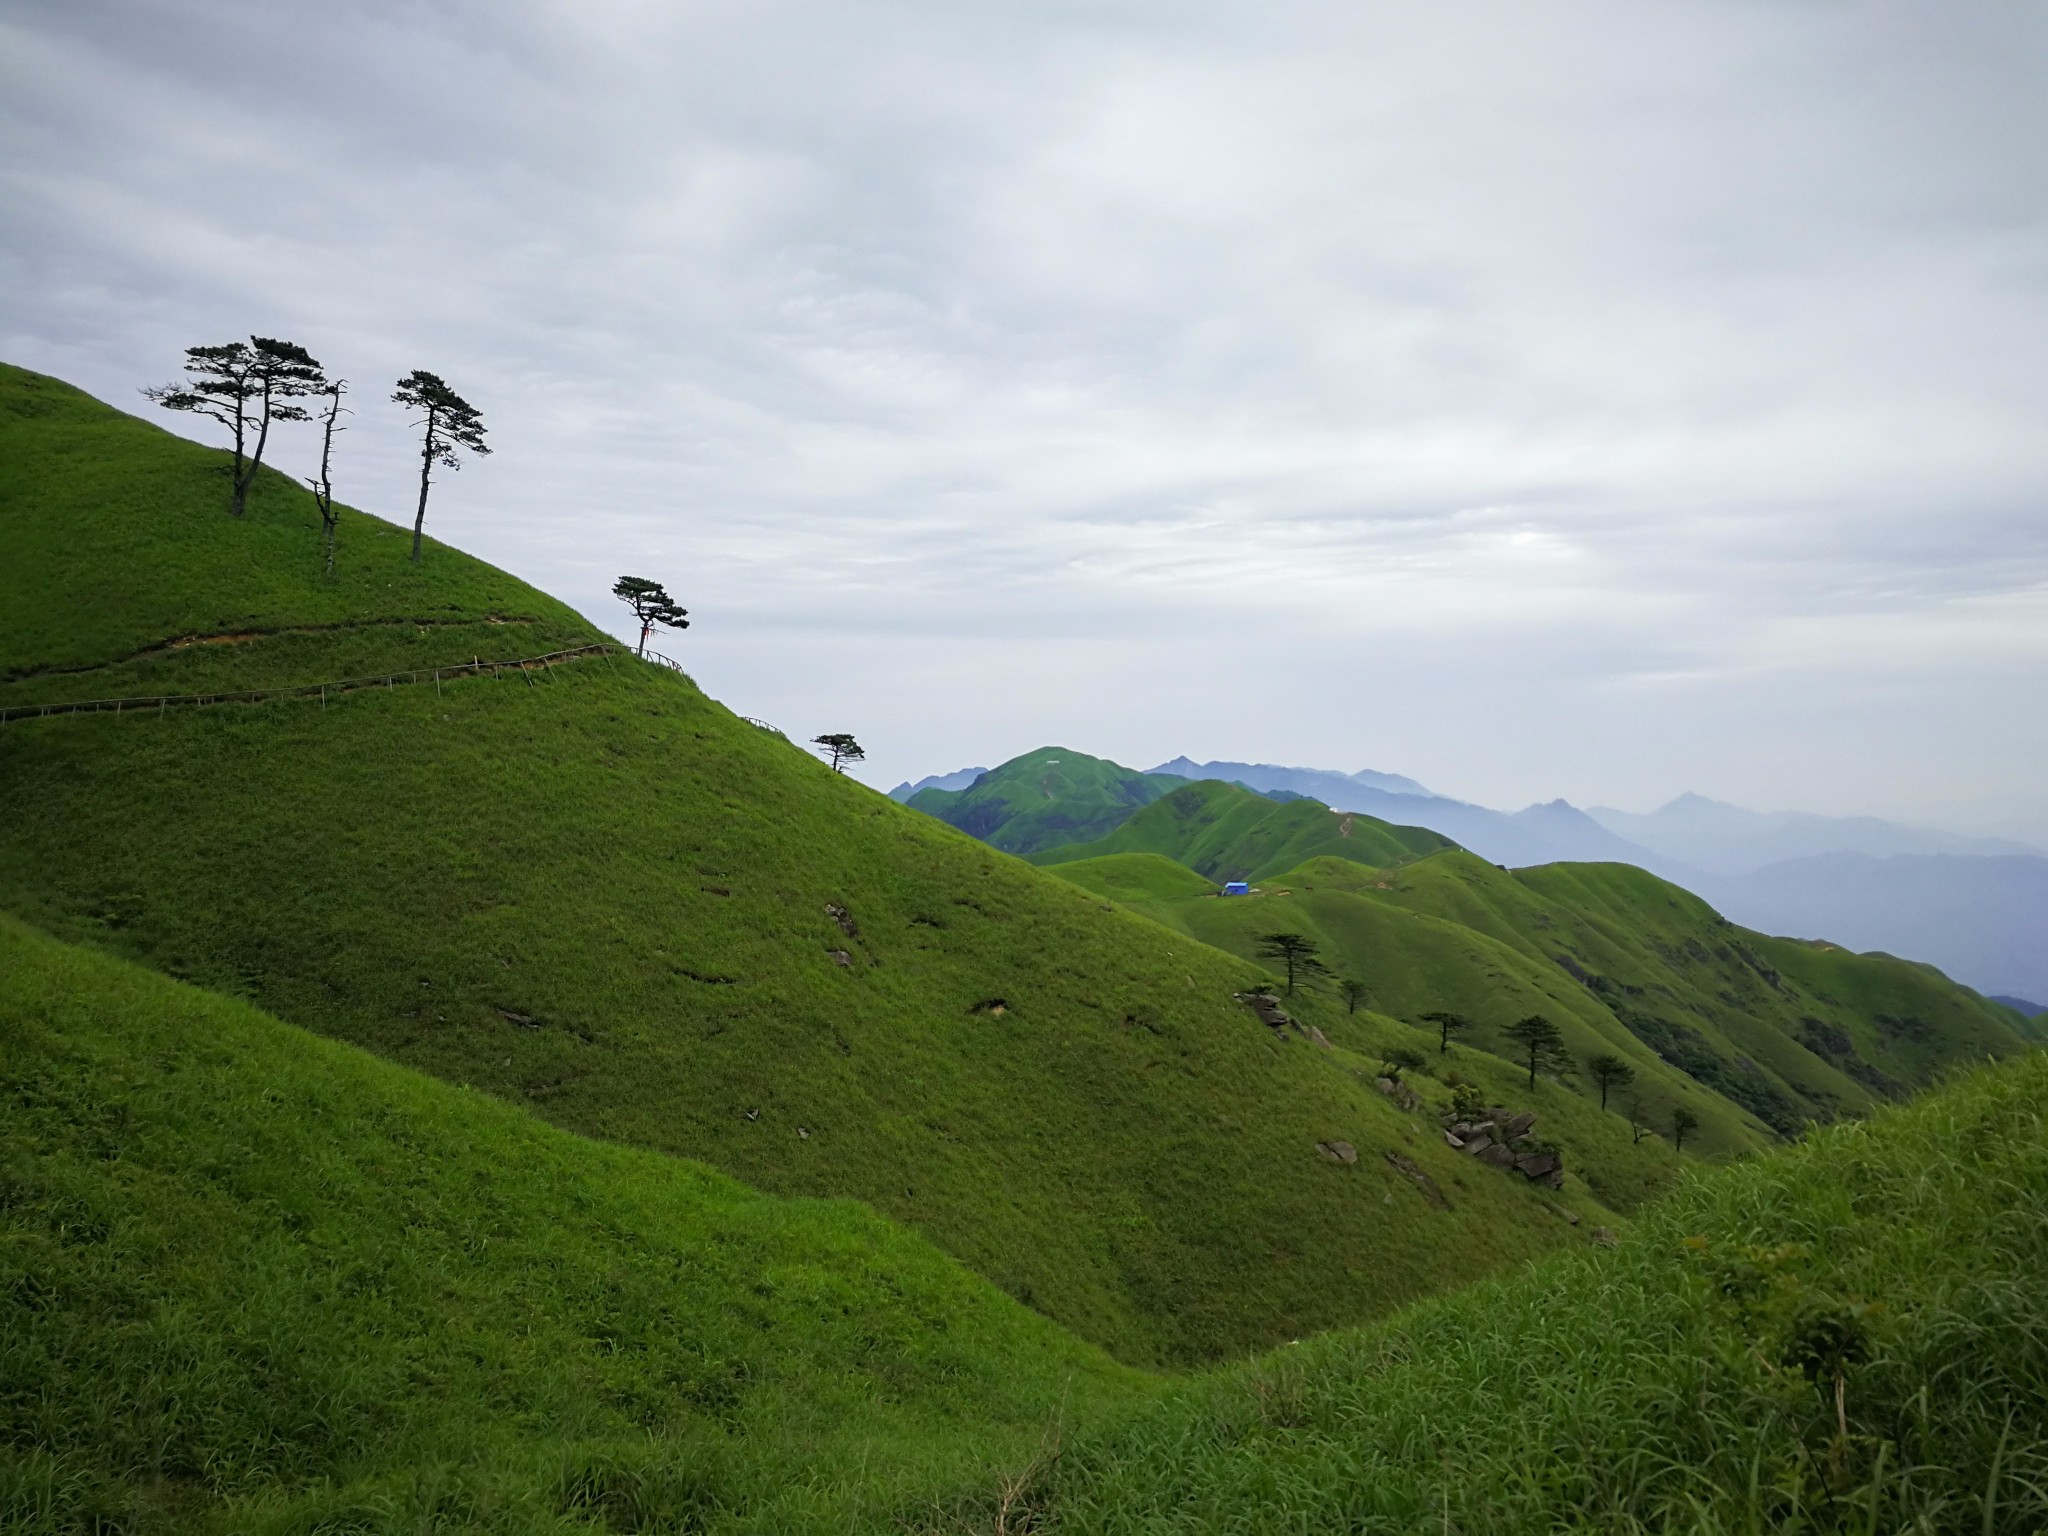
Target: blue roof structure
1236, 888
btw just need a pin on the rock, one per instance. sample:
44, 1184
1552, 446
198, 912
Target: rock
1497, 1156
1536, 1165
1553, 1181
1420, 1180
1605, 1237
1477, 1143
1338, 1151
802, 1134
1572, 1217
1319, 1038
839, 957
1267, 1007
843, 918
1516, 1125
524, 1021
1452, 1139
1386, 1085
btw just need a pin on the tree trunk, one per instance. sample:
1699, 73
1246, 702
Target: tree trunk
246, 477
240, 484
646, 628
426, 471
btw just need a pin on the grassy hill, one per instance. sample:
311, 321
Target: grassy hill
599, 894
254, 1281
252, 1278
1757, 1036
1045, 797
1227, 832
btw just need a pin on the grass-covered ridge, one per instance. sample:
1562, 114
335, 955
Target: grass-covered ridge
603, 896
255, 1278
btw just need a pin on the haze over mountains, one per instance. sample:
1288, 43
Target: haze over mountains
1975, 907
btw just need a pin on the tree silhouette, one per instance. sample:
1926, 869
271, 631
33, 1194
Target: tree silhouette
1638, 1121
1447, 1025
450, 422
323, 487
1540, 1044
840, 747
651, 605
1296, 953
244, 386
1401, 1059
1353, 992
1610, 1071
1683, 1122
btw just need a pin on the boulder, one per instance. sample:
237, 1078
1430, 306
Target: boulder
1319, 1038
1338, 1151
1517, 1125
1477, 1143
1605, 1237
1536, 1165
1451, 1138
839, 957
1497, 1156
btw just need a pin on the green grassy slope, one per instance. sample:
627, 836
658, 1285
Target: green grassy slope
1754, 1035
1226, 832
254, 1281
1686, 1382
603, 896
1045, 797
252, 1277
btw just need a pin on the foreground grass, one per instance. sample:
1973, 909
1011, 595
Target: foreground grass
1687, 1382
254, 1280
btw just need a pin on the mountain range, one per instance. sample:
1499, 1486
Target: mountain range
1975, 907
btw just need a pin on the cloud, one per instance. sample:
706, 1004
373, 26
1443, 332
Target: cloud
1601, 399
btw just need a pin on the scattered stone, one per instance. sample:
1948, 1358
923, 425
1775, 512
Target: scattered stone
1477, 1143
1338, 1151
1497, 1156
1451, 1139
1516, 1125
753, 1114
802, 1134
1386, 1085
843, 918
1422, 1181
1318, 1037
524, 1021
1605, 1237
839, 957
1267, 1007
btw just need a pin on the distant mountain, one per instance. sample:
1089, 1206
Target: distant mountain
1983, 920
1228, 832
1315, 783
2021, 1005
960, 779
1725, 839
1045, 798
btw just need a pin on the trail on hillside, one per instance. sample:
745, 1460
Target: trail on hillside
158, 703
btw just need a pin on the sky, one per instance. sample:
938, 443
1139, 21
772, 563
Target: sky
1601, 399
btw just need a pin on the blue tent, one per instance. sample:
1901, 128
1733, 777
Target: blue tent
1236, 888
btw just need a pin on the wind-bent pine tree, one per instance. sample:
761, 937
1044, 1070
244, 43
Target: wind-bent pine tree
651, 605
323, 487
1447, 1025
450, 422
1610, 1071
245, 386
1541, 1044
1298, 954
840, 747
1353, 992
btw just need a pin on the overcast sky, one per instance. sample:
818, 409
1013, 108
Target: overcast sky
1588, 399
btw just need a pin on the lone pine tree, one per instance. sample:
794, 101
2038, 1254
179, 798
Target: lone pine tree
1294, 952
1609, 1071
1539, 1043
651, 605
1447, 1025
245, 386
840, 747
450, 422
323, 486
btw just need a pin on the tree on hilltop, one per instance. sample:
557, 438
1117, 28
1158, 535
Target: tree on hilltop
450, 422
1447, 1025
1539, 1044
245, 386
323, 487
651, 605
1610, 1071
840, 747
1296, 953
